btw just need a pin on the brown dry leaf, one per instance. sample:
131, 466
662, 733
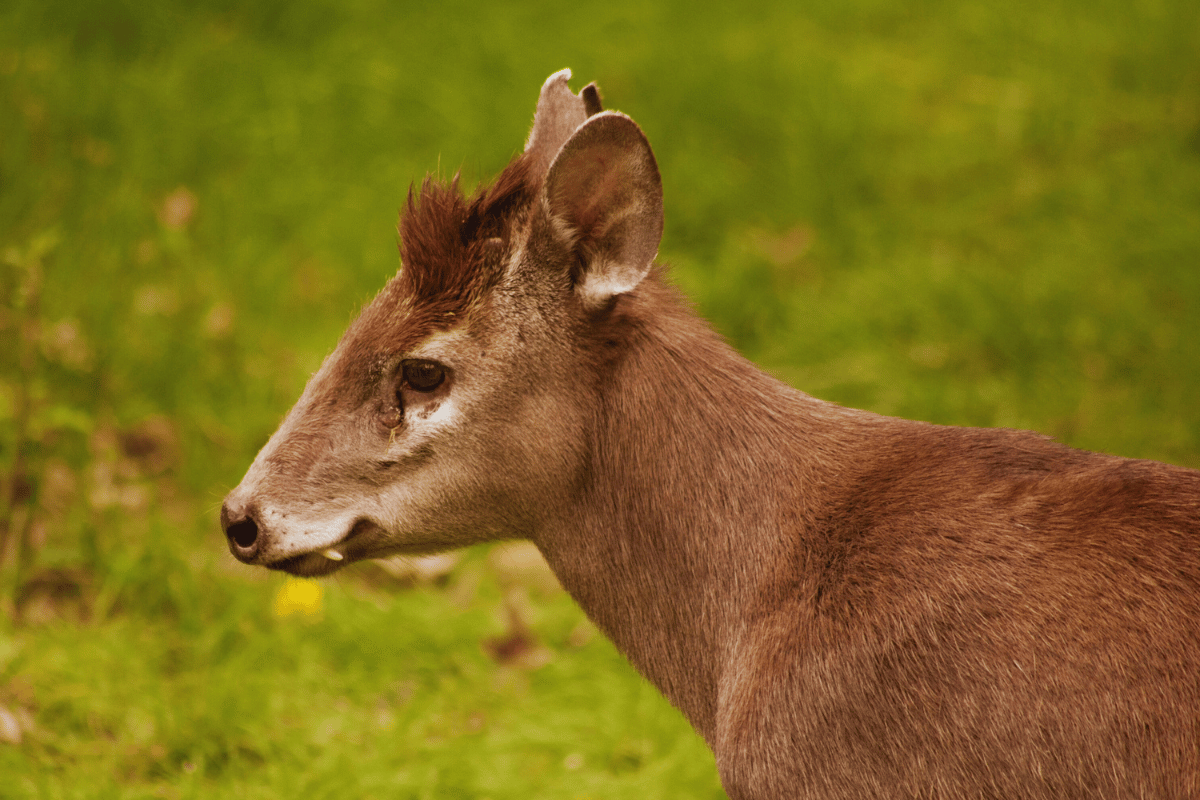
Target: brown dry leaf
54, 594
152, 443
156, 300
109, 490
784, 248
10, 729
519, 646
178, 208
419, 569
65, 344
218, 322
96, 152
582, 633
522, 564
60, 487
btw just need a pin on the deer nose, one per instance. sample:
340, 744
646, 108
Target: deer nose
241, 529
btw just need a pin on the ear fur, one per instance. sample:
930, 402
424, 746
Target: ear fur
603, 197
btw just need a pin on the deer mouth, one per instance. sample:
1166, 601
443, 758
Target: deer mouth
352, 547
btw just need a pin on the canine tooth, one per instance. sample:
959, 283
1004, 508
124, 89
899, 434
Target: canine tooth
332, 555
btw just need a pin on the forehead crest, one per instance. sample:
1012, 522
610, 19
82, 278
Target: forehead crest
448, 247
447, 242
452, 251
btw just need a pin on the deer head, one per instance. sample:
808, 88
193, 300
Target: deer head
454, 409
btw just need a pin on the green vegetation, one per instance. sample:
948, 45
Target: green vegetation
968, 213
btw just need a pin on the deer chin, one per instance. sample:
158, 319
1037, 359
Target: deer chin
356, 545
307, 565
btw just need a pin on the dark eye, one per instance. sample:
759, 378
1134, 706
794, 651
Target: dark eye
423, 376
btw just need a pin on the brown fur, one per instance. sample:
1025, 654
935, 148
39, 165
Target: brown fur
448, 263
893, 609
844, 605
453, 250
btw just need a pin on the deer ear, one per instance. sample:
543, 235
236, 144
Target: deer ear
603, 197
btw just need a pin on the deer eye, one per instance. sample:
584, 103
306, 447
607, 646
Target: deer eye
423, 376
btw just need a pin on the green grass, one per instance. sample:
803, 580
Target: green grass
381, 697
970, 214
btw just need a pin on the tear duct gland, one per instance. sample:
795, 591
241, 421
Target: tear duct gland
844, 605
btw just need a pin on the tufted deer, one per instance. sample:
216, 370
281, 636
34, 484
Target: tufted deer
844, 605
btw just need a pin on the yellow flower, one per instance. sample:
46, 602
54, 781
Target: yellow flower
298, 596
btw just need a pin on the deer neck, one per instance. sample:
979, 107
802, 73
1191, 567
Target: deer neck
699, 472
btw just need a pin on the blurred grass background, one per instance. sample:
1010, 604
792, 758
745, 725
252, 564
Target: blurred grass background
967, 213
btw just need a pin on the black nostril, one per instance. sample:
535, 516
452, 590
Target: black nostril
239, 520
243, 533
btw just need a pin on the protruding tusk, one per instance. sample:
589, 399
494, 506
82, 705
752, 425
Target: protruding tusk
332, 555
